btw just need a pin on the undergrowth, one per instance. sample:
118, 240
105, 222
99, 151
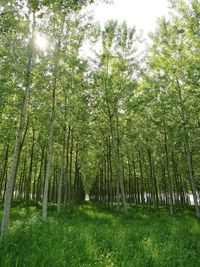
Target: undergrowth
94, 235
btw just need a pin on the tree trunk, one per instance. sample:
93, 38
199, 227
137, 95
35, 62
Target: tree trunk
66, 184
50, 153
28, 182
191, 177
117, 162
13, 171
38, 186
188, 152
153, 198
142, 179
62, 171
70, 168
4, 171
169, 182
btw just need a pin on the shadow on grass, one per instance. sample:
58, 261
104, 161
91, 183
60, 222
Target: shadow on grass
95, 235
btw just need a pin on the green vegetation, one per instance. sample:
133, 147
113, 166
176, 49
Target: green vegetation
94, 235
118, 126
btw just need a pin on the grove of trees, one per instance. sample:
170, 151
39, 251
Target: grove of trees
121, 128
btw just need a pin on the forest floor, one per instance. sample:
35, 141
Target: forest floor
94, 235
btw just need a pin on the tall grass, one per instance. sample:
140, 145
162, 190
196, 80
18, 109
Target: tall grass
92, 235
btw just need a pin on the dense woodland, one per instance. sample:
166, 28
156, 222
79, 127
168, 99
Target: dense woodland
111, 122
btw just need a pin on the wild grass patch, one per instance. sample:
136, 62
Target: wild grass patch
92, 235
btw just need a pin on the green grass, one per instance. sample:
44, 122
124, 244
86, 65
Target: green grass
92, 235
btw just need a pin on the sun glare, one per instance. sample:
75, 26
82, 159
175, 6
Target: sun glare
41, 42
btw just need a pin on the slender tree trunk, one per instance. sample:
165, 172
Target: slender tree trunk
134, 183
105, 181
107, 172
70, 168
169, 182
155, 182
76, 176
34, 182
153, 198
52, 192
29, 178
118, 165
110, 171
62, 171
66, 184
4, 171
130, 182
19, 186
188, 152
142, 179
51, 132
13, 171
50, 153
38, 186
117, 193
191, 177
115, 141
23, 185
177, 181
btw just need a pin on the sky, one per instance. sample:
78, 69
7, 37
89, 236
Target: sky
140, 13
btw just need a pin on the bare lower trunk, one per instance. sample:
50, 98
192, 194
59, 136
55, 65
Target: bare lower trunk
50, 155
188, 152
29, 178
70, 196
38, 186
142, 179
152, 181
191, 177
119, 172
62, 173
66, 184
4, 171
51, 132
118, 197
169, 182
